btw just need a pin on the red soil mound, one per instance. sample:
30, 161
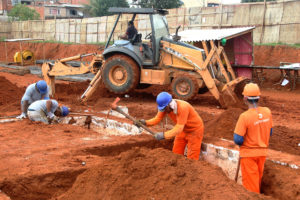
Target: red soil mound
10, 96
283, 138
70, 93
141, 173
223, 125
273, 55
281, 182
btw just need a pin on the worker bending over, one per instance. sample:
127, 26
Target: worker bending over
34, 92
46, 111
188, 129
252, 133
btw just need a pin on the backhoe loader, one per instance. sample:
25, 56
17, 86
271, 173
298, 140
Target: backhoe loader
159, 59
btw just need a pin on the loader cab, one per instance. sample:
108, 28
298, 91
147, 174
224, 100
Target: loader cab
144, 46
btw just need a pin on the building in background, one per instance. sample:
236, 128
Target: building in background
74, 2
63, 11
49, 9
5, 6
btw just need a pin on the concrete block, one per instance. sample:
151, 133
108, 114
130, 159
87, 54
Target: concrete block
105, 126
225, 158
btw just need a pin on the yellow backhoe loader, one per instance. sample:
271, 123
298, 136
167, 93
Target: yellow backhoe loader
162, 60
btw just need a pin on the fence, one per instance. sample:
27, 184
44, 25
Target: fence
276, 22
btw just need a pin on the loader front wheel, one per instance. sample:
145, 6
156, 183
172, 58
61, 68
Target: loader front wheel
184, 87
120, 74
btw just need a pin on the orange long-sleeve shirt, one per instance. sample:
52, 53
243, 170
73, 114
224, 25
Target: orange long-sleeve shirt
185, 117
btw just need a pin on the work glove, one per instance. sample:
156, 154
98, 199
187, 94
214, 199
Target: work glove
50, 117
159, 136
55, 120
22, 116
140, 122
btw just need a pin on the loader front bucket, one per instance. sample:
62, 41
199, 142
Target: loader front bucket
231, 94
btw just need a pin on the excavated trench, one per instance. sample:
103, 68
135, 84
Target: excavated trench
147, 170
144, 169
50, 185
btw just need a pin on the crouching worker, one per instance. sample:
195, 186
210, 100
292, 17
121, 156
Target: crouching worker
252, 133
46, 111
188, 129
34, 92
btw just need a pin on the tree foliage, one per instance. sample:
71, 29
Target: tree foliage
98, 8
21, 12
159, 4
253, 1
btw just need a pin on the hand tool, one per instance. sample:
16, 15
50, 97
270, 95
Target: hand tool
81, 114
237, 170
118, 109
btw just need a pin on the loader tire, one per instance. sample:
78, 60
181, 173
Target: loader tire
120, 74
184, 87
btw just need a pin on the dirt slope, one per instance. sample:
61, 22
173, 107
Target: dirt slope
154, 174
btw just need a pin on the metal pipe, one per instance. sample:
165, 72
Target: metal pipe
112, 31
76, 57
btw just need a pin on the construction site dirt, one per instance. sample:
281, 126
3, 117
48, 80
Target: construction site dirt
65, 161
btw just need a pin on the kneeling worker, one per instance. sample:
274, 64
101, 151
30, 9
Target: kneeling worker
252, 133
46, 111
34, 92
189, 125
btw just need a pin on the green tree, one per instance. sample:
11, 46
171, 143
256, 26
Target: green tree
159, 4
21, 12
98, 8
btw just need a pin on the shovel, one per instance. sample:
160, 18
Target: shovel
119, 110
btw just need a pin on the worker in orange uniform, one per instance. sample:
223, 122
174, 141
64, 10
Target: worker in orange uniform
252, 133
189, 125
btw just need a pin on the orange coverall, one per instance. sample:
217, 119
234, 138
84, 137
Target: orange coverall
188, 129
255, 126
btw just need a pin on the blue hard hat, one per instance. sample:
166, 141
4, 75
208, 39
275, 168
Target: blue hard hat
64, 111
42, 86
163, 99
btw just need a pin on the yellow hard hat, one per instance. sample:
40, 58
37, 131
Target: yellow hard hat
251, 90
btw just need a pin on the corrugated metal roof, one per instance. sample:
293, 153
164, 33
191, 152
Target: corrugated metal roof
212, 34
